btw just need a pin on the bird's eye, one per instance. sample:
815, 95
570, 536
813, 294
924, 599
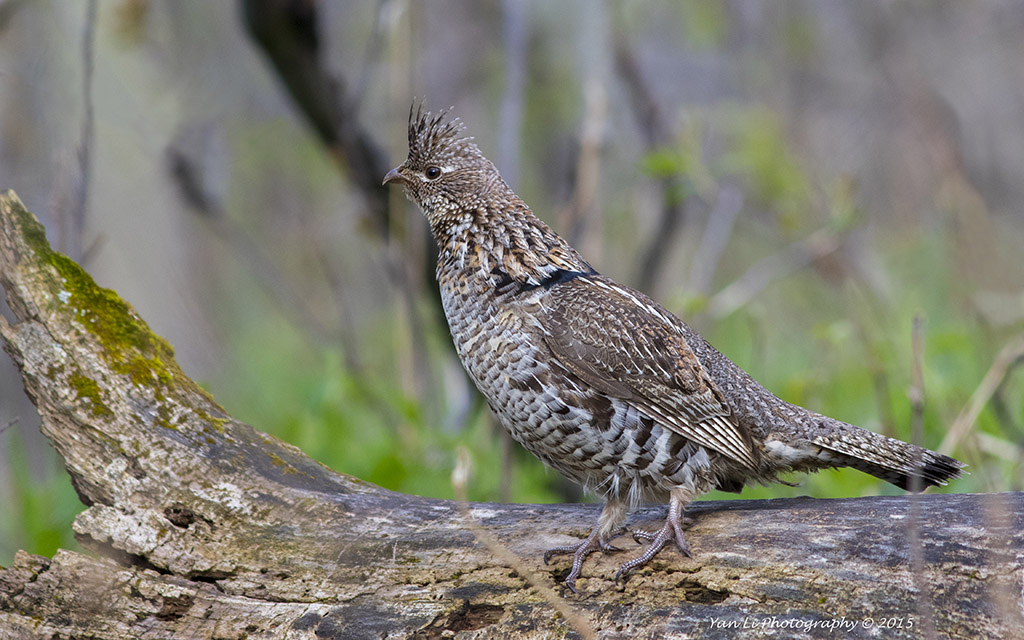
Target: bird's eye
432, 173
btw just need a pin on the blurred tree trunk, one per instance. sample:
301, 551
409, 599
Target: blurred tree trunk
287, 33
201, 526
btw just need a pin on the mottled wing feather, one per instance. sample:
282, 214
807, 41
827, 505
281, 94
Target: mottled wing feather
622, 344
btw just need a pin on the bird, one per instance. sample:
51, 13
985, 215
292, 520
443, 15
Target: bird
598, 380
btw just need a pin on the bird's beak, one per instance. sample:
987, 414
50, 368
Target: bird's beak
393, 176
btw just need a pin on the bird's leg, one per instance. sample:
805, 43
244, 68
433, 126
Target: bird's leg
612, 513
672, 530
579, 553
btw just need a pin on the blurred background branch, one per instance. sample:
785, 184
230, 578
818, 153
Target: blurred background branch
287, 32
656, 134
73, 232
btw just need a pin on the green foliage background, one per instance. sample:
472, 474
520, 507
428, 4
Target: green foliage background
833, 335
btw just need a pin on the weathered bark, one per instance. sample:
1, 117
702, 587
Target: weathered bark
202, 526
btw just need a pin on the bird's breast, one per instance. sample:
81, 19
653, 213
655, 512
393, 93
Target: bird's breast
481, 322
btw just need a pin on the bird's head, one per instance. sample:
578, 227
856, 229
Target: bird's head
445, 174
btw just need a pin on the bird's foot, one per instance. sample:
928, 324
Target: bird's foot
639, 536
579, 553
671, 531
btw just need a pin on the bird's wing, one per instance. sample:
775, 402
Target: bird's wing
623, 344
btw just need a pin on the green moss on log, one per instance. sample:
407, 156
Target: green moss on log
129, 346
87, 389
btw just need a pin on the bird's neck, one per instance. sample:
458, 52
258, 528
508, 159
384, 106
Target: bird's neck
505, 244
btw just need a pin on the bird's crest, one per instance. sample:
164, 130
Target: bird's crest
435, 138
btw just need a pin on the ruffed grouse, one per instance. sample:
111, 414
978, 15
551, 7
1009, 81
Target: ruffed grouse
598, 380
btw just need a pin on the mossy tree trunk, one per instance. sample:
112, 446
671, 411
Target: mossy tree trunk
201, 526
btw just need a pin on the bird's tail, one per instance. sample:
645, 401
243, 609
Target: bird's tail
889, 459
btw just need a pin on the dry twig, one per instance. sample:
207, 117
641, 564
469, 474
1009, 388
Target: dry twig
916, 393
1011, 356
460, 478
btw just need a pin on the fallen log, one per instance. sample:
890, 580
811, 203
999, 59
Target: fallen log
198, 525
